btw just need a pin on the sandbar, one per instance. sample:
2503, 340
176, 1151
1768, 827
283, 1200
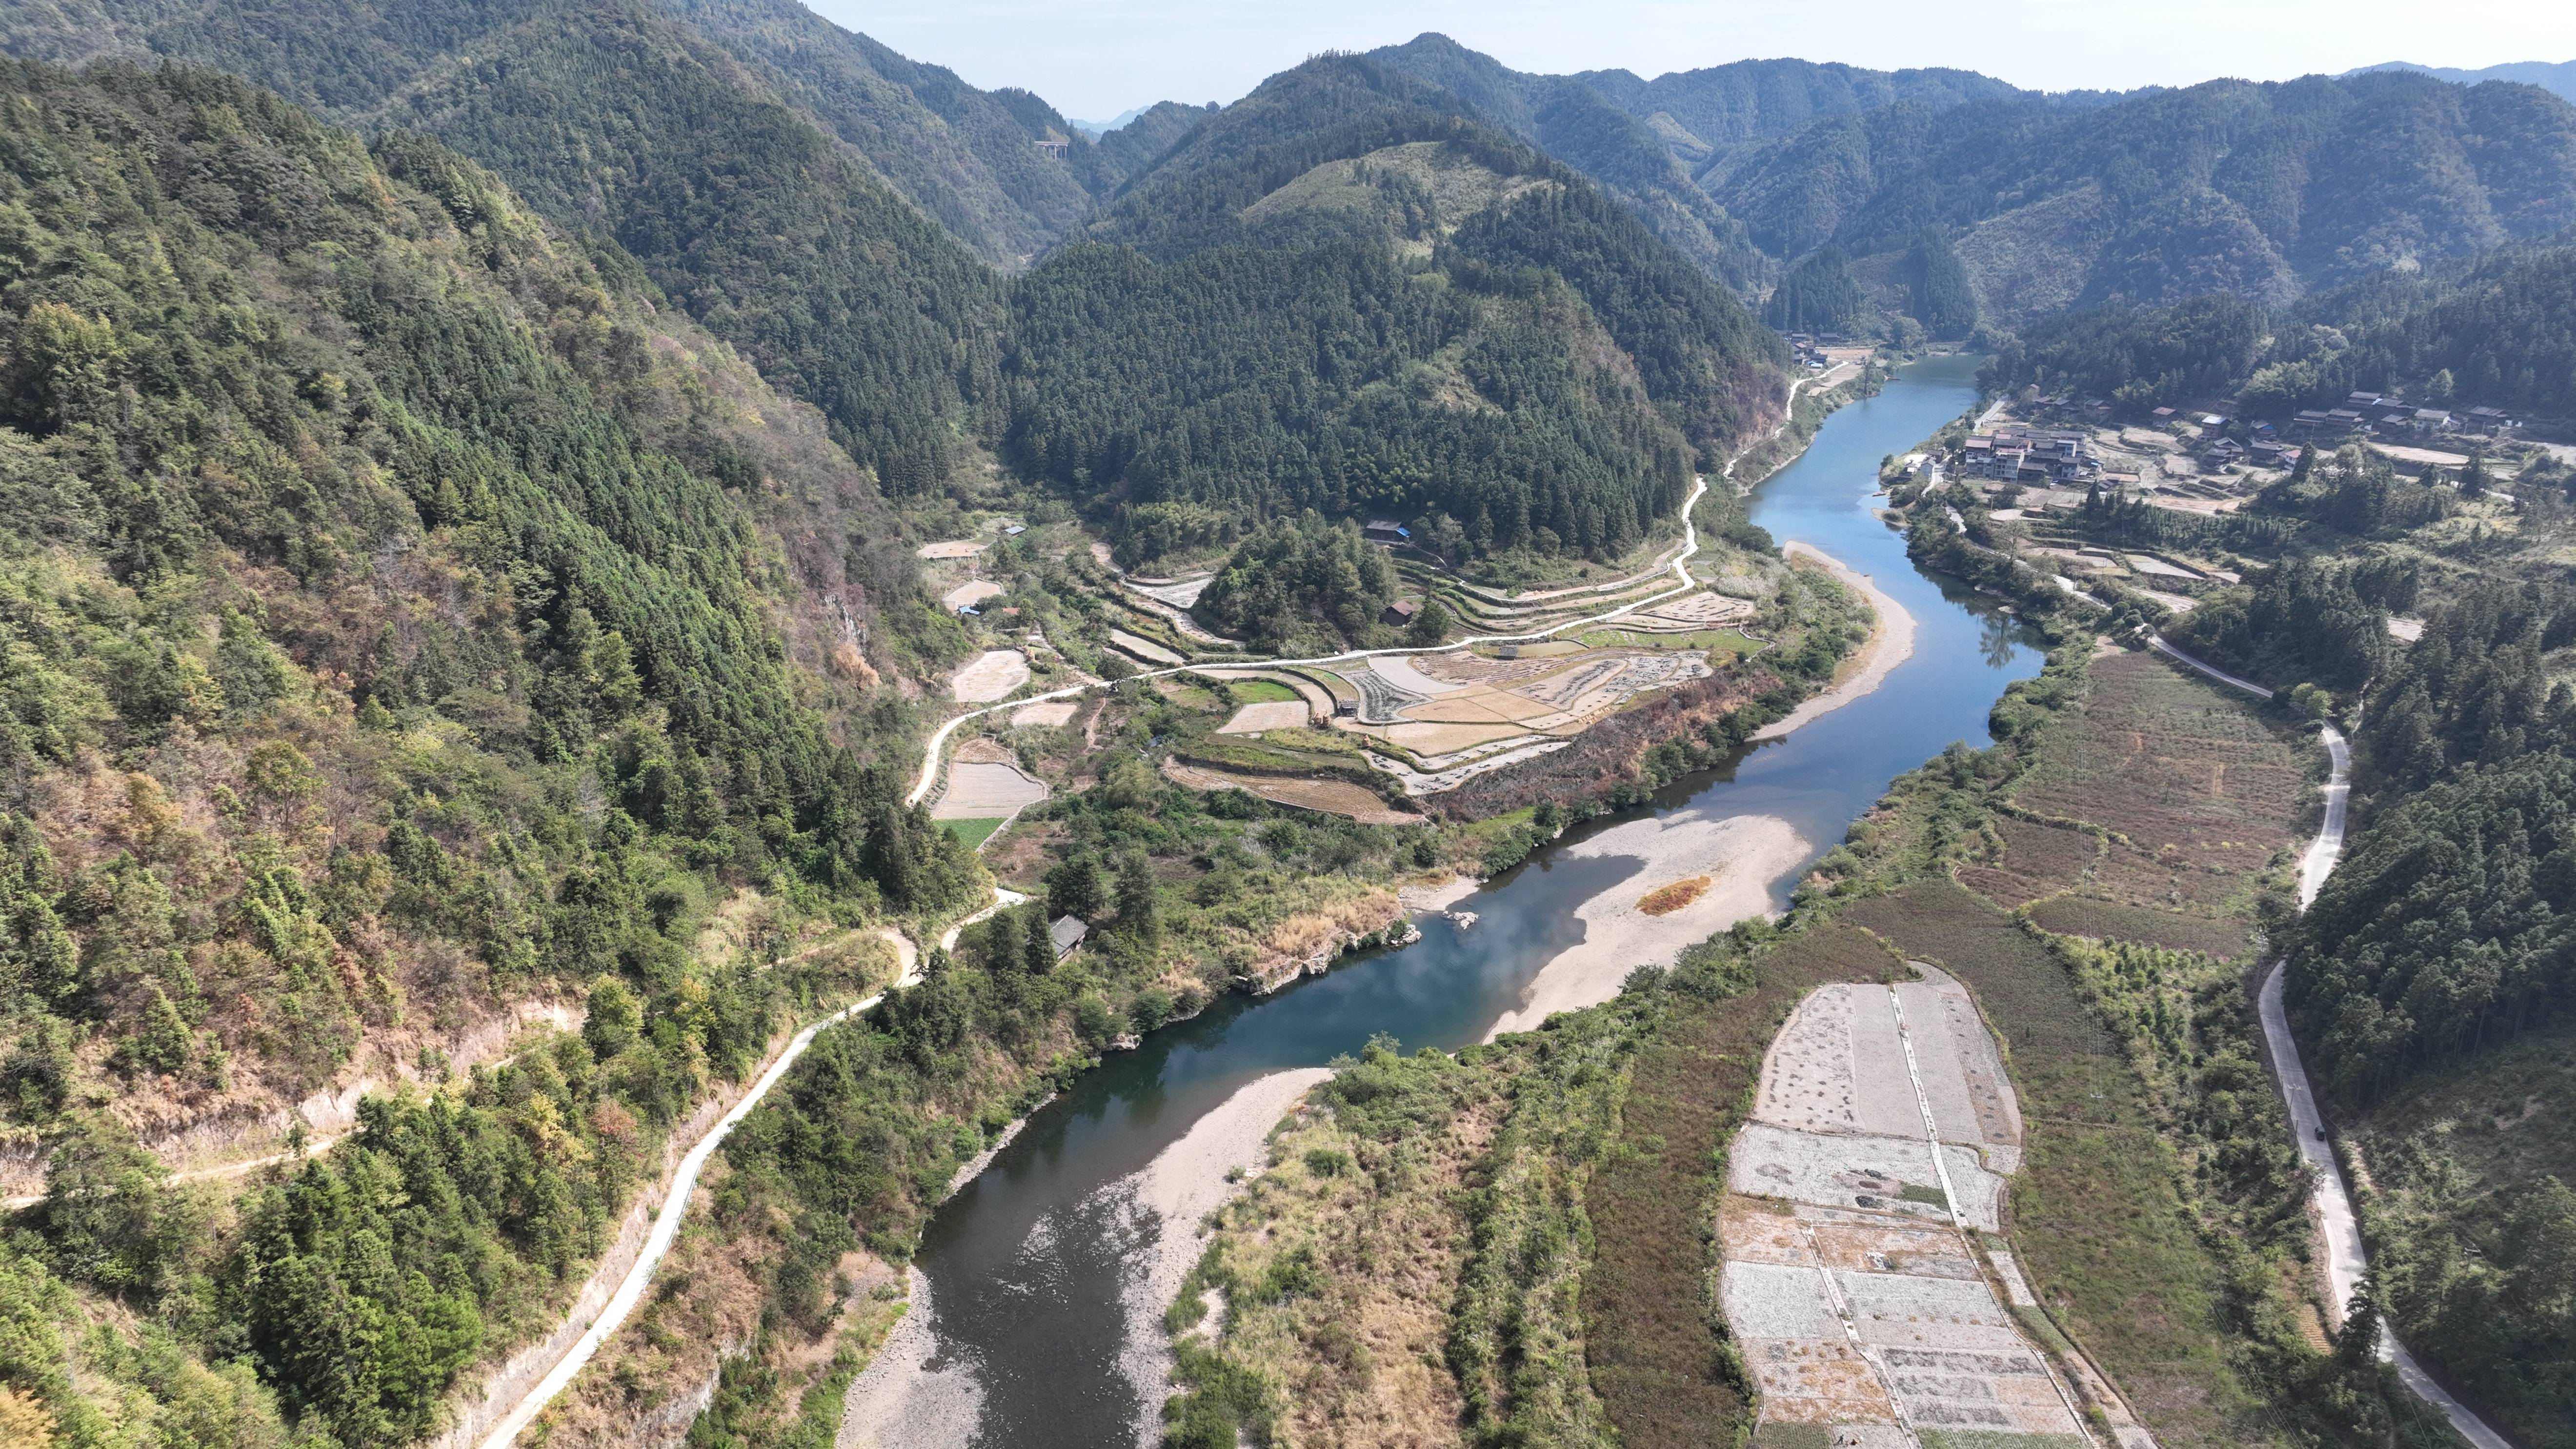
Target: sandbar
1890, 644
1181, 1186
1743, 854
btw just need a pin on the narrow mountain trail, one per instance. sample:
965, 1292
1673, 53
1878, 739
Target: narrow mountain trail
2338, 1226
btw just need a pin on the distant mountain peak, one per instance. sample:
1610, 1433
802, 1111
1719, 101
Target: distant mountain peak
2557, 77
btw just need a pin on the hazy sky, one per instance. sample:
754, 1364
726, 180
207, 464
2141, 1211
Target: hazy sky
1096, 58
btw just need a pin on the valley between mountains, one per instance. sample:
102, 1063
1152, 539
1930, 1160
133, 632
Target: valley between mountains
708, 739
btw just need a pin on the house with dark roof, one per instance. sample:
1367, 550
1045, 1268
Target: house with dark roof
1067, 934
2492, 422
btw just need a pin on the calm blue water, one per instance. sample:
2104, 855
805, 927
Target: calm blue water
1026, 1264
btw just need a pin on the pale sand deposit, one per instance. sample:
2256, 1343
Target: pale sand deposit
1277, 714
1438, 897
953, 548
1056, 713
1890, 644
1182, 1185
1742, 854
991, 675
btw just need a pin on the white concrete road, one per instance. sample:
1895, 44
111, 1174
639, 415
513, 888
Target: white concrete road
2338, 1225
2157, 642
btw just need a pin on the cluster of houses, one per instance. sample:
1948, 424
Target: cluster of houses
1810, 347
2041, 456
2265, 451
2395, 418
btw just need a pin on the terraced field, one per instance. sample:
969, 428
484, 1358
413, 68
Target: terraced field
2150, 813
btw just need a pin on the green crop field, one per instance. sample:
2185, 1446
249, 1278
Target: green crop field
972, 833
1261, 691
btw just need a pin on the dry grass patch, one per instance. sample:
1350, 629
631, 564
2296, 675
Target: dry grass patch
2223, 938
1664, 900
2038, 860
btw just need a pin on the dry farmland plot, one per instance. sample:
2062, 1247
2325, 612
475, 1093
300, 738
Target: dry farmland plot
2097, 1223
2204, 789
989, 676
2223, 937
2039, 860
1333, 797
1277, 714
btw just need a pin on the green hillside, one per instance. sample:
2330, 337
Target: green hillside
2493, 330
404, 617
612, 117
1335, 295
2263, 191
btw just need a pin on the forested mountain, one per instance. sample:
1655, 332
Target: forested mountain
611, 115
2558, 77
2051, 203
1642, 141
404, 617
2497, 330
1575, 123
2261, 191
969, 158
1341, 294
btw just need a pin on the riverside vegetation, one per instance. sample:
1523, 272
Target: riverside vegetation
1545, 1203
417, 620
436, 596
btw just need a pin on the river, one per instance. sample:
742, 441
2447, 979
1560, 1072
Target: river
1023, 1328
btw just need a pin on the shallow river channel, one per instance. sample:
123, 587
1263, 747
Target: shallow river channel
1031, 1330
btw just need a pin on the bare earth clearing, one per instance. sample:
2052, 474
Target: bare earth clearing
990, 676
970, 593
1861, 1189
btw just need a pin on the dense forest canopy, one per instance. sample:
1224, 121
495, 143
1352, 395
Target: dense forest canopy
610, 116
1491, 399
389, 630
2492, 331
1339, 299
